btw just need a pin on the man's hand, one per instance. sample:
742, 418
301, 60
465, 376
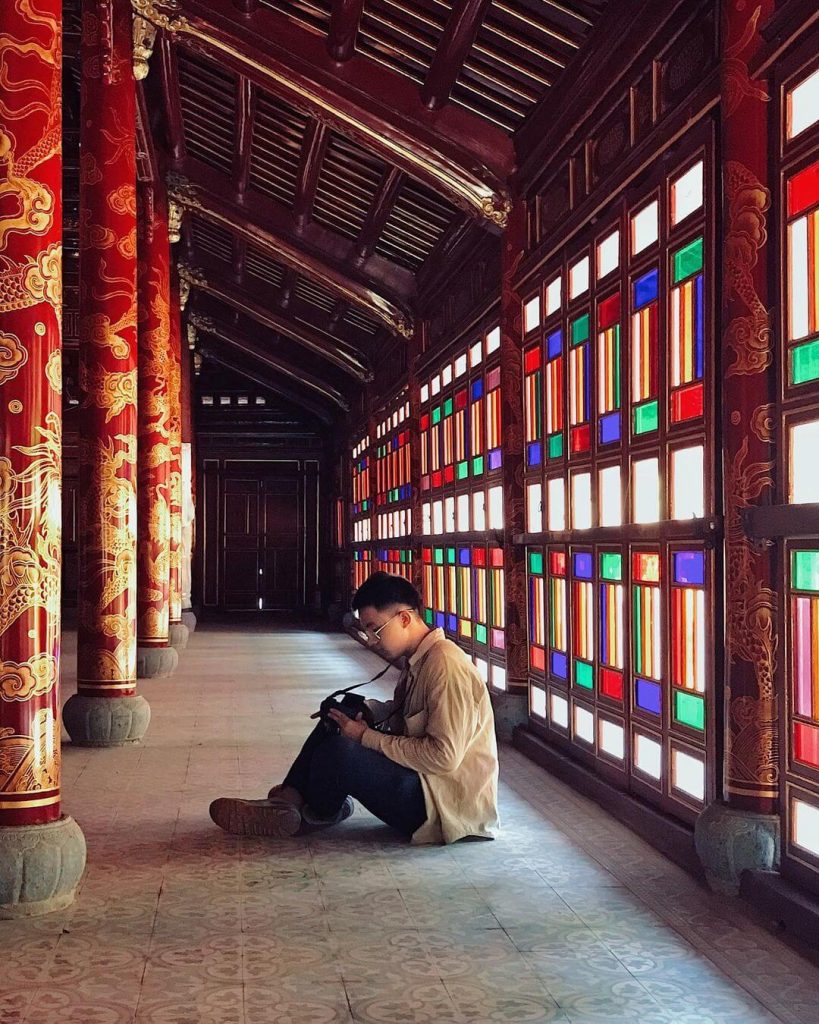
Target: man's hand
353, 730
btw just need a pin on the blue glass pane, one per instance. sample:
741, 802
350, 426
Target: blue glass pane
559, 668
439, 619
646, 288
689, 567
583, 565
554, 344
610, 428
495, 458
477, 389
463, 556
534, 453
452, 623
648, 695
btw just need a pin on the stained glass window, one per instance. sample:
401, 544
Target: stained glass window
361, 511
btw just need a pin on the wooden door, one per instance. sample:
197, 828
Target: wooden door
241, 545
282, 541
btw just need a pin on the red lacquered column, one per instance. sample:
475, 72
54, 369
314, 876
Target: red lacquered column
154, 655
34, 839
106, 710
178, 631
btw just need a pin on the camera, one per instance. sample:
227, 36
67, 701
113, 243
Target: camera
352, 705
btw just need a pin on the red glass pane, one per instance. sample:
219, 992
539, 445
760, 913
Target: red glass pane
460, 399
479, 556
611, 683
436, 479
645, 567
803, 190
426, 554
537, 658
449, 474
496, 557
608, 312
581, 438
687, 403
424, 424
493, 379
425, 483
531, 359
557, 563
806, 743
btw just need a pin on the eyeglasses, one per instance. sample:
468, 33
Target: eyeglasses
374, 635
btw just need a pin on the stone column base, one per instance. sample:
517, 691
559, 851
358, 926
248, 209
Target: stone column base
730, 841
189, 619
511, 710
106, 721
156, 662
40, 867
178, 636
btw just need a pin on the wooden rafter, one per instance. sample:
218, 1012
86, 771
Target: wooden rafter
344, 22
280, 238
379, 214
460, 33
342, 355
245, 116
169, 73
312, 156
239, 258
452, 151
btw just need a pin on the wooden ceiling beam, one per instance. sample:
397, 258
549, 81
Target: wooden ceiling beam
281, 240
287, 289
243, 141
340, 354
169, 75
239, 257
261, 354
344, 21
465, 159
378, 214
313, 149
460, 32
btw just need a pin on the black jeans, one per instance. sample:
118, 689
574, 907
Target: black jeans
331, 767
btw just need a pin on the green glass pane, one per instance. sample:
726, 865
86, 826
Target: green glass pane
580, 329
480, 634
805, 570
438, 554
646, 417
689, 709
428, 616
477, 465
436, 414
536, 563
688, 260
584, 675
463, 470
611, 565
448, 407
805, 362
638, 632
450, 556
403, 557
555, 446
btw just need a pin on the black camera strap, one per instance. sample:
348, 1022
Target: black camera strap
355, 686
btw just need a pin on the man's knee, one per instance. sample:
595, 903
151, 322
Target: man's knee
337, 750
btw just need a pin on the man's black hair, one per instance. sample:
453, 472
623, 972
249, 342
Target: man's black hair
381, 590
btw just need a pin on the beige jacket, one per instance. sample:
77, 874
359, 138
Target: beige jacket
447, 735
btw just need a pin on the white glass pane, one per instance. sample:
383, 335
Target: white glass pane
495, 508
478, 511
449, 515
446, 375
803, 105
554, 296
537, 701
806, 826
579, 278
557, 504
499, 677
798, 288
581, 501
608, 254
534, 508
688, 774
531, 314
559, 711
436, 384
425, 392
612, 739
483, 668
460, 365
438, 517
463, 513
804, 482
493, 339
645, 227
208, 400
688, 483
686, 193
224, 400
583, 724
476, 353
647, 491
648, 756
611, 499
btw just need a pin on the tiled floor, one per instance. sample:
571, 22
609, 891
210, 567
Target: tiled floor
566, 917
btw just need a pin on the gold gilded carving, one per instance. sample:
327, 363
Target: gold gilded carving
750, 629
54, 371
175, 213
192, 336
144, 39
737, 79
13, 356
30, 764
749, 337
123, 200
111, 390
162, 14
33, 678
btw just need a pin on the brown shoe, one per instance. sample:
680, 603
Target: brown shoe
288, 794
275, 818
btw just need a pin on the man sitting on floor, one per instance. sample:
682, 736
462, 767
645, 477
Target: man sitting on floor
433, 776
